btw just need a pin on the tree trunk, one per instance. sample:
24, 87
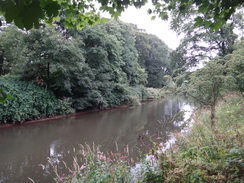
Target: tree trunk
48, 74
212, 116
213, 104
47, 86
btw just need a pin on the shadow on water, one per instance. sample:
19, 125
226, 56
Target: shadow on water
24, 148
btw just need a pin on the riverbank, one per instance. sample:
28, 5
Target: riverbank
203, 155
31, 102
47, 119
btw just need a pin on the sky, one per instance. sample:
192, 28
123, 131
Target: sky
156, 27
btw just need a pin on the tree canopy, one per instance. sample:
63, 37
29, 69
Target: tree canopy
96, 67
29, 13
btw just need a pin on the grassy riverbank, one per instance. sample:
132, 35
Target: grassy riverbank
202, 155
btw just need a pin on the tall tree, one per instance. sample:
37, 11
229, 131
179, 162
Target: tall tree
51, 60
201, 44
235, 64
11, 46
154, 57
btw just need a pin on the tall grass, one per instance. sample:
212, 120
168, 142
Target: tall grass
92, 165
207, 155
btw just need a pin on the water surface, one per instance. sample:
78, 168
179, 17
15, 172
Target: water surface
25, 148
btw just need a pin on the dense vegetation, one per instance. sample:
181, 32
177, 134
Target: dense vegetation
213, 150
30, 101
110, 64
98, 67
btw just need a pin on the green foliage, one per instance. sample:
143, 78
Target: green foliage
11, 46
97, 67
199, 44
154, 57
29, 101
216, 155
209, 83
235, 64
28, 14
111, 50
53, 61
4, 97
209, 14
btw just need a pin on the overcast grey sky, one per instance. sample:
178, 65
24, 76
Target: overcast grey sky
157, 27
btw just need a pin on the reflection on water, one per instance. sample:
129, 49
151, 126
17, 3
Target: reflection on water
24, 149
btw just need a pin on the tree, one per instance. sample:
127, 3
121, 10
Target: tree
154, 57
200, 44
209, 14
29, 13
53, 61
11, 45
208, 84
235, 65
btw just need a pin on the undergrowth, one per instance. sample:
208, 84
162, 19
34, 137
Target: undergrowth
29, 101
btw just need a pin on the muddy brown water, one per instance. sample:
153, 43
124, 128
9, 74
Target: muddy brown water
24, 149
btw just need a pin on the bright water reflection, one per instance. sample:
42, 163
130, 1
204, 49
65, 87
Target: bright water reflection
24, 149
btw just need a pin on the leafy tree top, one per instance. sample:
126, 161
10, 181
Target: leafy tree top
29, 13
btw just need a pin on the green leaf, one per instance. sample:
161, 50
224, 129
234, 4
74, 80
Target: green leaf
11, 11
31, 14
199, 21
153, 18
52, 9
104, 20
203, 9
10, 97
207, 24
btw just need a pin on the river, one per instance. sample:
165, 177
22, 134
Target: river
24, 149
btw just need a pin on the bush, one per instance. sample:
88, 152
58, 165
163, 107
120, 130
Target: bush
29, 102
119, 95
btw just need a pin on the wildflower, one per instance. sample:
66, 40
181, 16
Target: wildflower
73, 175
122, 157
108, 159
82, 167
84, 153
101, 157
63, 177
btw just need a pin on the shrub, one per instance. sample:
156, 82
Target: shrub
30, 101
118, 95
